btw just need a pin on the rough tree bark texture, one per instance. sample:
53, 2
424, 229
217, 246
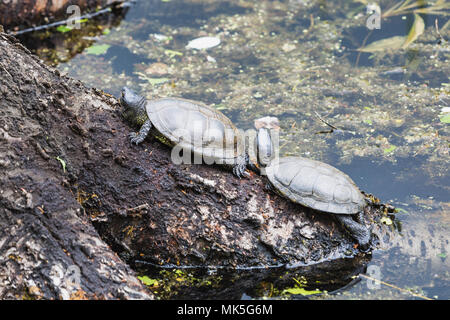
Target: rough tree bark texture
43, 231
29, 12
66, 165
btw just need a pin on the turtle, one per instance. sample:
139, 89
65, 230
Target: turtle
191, 125
321, 187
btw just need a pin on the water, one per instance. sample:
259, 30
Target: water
297, 60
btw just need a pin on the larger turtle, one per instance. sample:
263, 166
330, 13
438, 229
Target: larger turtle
322, 187
190, 125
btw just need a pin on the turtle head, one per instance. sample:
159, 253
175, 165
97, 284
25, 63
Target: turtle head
133, 107
264, 144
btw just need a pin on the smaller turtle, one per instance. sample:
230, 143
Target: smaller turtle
322, 187
190, 125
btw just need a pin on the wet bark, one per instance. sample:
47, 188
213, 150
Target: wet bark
72, 187
32, 12
48, 247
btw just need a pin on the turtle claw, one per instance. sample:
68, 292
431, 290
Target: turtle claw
240, 166
240, 172
135, 138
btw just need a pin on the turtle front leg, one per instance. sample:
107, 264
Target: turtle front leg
142, 134
240, 166
357, 230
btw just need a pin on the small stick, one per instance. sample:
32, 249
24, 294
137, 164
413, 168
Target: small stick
436, 25
328, 124
395, 287
138, 208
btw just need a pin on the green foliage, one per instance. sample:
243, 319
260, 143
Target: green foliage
302, 291
172, 53
148, 281
63, 28
389, 149
63, 163
445, 118
386, 220
98, 49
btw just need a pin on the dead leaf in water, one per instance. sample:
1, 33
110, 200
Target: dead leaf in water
393, 43
416, 30
397, 42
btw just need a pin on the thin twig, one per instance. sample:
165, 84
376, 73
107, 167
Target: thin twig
138, 208
66, 21
362, 46
395, 287
436, 25
328, 124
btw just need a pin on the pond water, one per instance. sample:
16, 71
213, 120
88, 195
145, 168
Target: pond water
312, 64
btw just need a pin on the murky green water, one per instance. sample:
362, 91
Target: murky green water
299, 61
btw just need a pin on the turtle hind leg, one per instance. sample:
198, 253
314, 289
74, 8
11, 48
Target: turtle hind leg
357, 229
142, 134
239, 168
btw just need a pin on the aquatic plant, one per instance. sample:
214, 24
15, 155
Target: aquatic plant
440, 7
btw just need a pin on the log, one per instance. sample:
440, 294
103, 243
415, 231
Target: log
48, 247
76, 194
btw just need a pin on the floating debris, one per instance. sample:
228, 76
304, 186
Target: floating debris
161, 37
203, 43
98, 49
157, 68
268, 122
288, 47
211, 59
398, 42
392, 72
445, 118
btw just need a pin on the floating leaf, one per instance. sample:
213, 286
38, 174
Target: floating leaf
445, 118
172, 53
221, 106
203, 43
416, 30
389, 150
301, 291
392, 43
98, 49
63, 28
397, 210
386, 220
147, 281
155, 81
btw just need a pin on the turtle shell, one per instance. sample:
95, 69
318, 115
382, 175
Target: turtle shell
316, 185
196, 127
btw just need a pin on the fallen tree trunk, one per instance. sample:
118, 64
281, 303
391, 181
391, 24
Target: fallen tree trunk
27, 13
48, 247
66, 165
